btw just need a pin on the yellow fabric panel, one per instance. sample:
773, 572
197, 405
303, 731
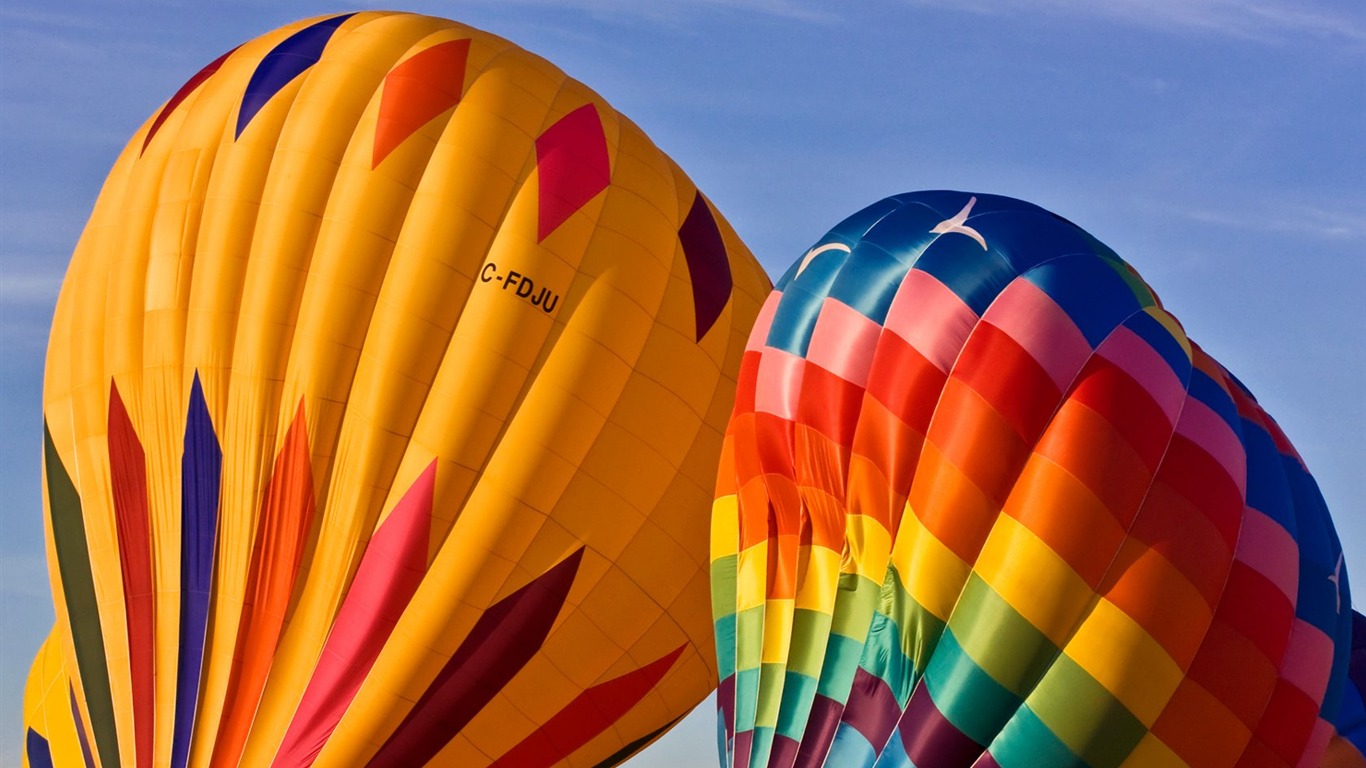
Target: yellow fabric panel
293, 275
931, 572
47, 705
725, 527
819, 585
1036, 582
1124, 658
869, 546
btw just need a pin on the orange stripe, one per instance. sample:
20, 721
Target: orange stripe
949, 506
1088, 447
978, 440
1068, 517
1154, 593
281, 532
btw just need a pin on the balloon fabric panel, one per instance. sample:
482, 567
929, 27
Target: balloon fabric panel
982, 503
384, 400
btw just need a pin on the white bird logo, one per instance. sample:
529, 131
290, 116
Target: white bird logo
814, 252
956, 225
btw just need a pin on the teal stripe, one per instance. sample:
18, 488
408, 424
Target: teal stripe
1088, 718
78, 587
761, 746
1027, 743
746, 695
969, 698
724, 629
799, 692
841, 661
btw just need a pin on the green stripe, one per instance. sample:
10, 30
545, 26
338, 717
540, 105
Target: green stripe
723, 586
999, 639
749, 634
810, 633
771, 679
1085, 715
968, 697
78, 586
920, 629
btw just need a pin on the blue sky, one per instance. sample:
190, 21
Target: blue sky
1218, 145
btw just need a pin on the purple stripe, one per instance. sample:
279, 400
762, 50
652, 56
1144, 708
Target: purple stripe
500, 644
80, 729
872, 709
929, 737
201, 466
707, 264
285, 62
784, 751
821, 725
744, 742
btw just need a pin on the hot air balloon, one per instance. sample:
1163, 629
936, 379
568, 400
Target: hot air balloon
982, 503
383, 403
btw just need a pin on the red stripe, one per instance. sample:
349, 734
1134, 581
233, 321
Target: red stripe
589, 714
128, 476
182, 94
1010, 379
389, 573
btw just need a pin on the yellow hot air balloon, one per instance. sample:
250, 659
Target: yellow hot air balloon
383, 403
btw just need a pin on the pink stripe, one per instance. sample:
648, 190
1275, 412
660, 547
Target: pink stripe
1308, 661
389, 573
1270, 550
1036, 322
778, 384
931, 318
1136, 357
1206, 429
1318, 744
759, 334
843, 342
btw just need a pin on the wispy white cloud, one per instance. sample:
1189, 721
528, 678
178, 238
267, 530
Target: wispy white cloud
29, 289
1268, 21
1299, 219
802, 10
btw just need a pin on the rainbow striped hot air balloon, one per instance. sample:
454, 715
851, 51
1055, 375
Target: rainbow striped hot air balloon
982, 503
383, 403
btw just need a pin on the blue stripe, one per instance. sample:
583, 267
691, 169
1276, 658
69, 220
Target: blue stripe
850, 748
1089, 290
801, 302
201, 469
1208, 391
37, 750
1267, 490
869, 281
286, 61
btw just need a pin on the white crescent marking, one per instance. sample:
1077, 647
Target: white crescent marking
814, 252
955, 225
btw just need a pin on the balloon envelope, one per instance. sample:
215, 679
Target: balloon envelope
982, 503
383, 403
